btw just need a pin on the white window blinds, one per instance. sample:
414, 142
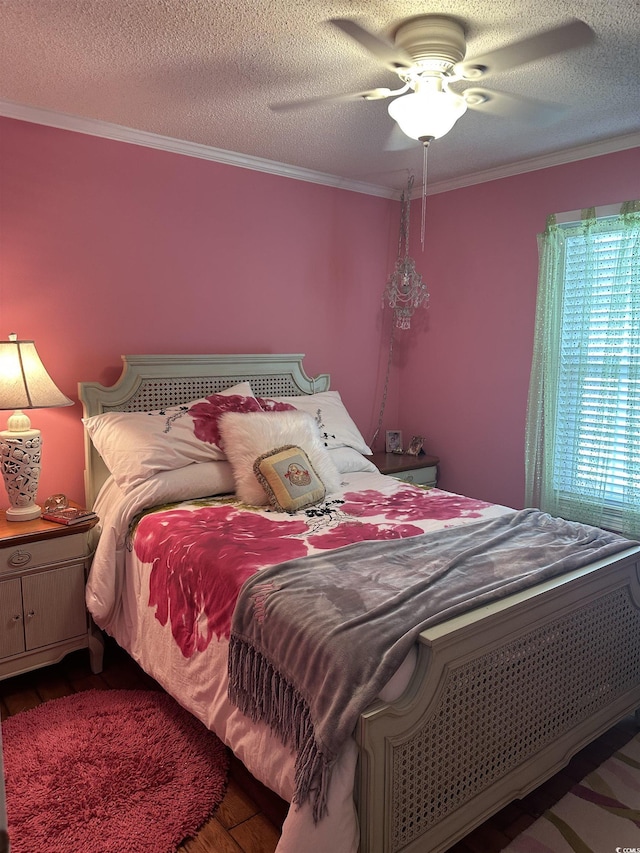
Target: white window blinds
583, 421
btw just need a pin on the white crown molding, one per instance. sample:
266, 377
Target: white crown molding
557, 158
106, 130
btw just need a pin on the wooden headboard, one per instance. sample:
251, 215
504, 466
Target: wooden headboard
151, 382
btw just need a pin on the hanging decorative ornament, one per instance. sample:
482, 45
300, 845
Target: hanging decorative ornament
405, 290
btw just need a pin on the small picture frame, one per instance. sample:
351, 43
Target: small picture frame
416, 445
394, 441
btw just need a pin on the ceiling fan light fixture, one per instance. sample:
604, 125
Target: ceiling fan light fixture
427, 114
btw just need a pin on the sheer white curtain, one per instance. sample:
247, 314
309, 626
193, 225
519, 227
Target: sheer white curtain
583, 420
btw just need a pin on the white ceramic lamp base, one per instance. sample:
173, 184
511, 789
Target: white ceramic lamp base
20, 463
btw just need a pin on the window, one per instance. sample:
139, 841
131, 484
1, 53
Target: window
583, 418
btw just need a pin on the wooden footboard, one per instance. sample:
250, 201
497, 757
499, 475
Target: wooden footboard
500, 700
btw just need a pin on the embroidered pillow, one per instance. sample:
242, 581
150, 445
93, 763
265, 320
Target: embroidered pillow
247, 436
137, 445
288, 478
336, 425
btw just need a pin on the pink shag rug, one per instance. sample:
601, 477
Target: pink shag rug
110, 771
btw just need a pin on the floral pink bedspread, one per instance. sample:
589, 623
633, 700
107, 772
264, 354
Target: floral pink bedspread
202, 552
146, 591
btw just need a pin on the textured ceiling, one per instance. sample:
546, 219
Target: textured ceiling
206, 72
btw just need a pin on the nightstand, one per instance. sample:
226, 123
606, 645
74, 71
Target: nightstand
420, 470
43, 616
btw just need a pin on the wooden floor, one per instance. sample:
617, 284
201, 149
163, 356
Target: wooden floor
250, 816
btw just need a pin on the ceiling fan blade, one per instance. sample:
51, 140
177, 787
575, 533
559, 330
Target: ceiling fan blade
390, 55
368, 95
573, 34
513, 106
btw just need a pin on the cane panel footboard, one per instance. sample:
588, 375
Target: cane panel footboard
500, 701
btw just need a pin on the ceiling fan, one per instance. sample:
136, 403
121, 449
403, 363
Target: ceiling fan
428, 53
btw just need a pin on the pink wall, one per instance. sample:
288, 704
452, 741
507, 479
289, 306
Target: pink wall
109, 248
465, 381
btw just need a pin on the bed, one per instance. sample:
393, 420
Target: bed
484, 705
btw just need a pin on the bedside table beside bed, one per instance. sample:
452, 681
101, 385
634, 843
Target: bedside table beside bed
43, 616
420, 470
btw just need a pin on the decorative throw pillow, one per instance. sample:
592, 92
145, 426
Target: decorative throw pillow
336, 425
247, 436
137, 445
288, 478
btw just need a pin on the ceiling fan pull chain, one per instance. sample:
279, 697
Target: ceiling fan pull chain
425, 148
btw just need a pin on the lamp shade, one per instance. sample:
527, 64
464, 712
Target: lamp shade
428, 113
24, 381
24, 384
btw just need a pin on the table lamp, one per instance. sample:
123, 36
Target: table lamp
24, 384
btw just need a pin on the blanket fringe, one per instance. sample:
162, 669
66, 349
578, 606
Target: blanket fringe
264, 695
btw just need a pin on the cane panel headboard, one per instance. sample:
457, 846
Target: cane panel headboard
150, 382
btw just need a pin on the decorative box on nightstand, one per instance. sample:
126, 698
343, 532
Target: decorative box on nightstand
43, 617
420, 470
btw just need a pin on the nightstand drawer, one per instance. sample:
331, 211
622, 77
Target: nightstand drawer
43, 552
419, 476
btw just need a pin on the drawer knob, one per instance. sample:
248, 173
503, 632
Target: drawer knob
19, 559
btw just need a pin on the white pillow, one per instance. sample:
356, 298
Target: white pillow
247, 436
198, 480
336, 425
137, 445
348, 461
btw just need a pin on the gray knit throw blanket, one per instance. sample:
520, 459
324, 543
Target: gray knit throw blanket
315, 639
